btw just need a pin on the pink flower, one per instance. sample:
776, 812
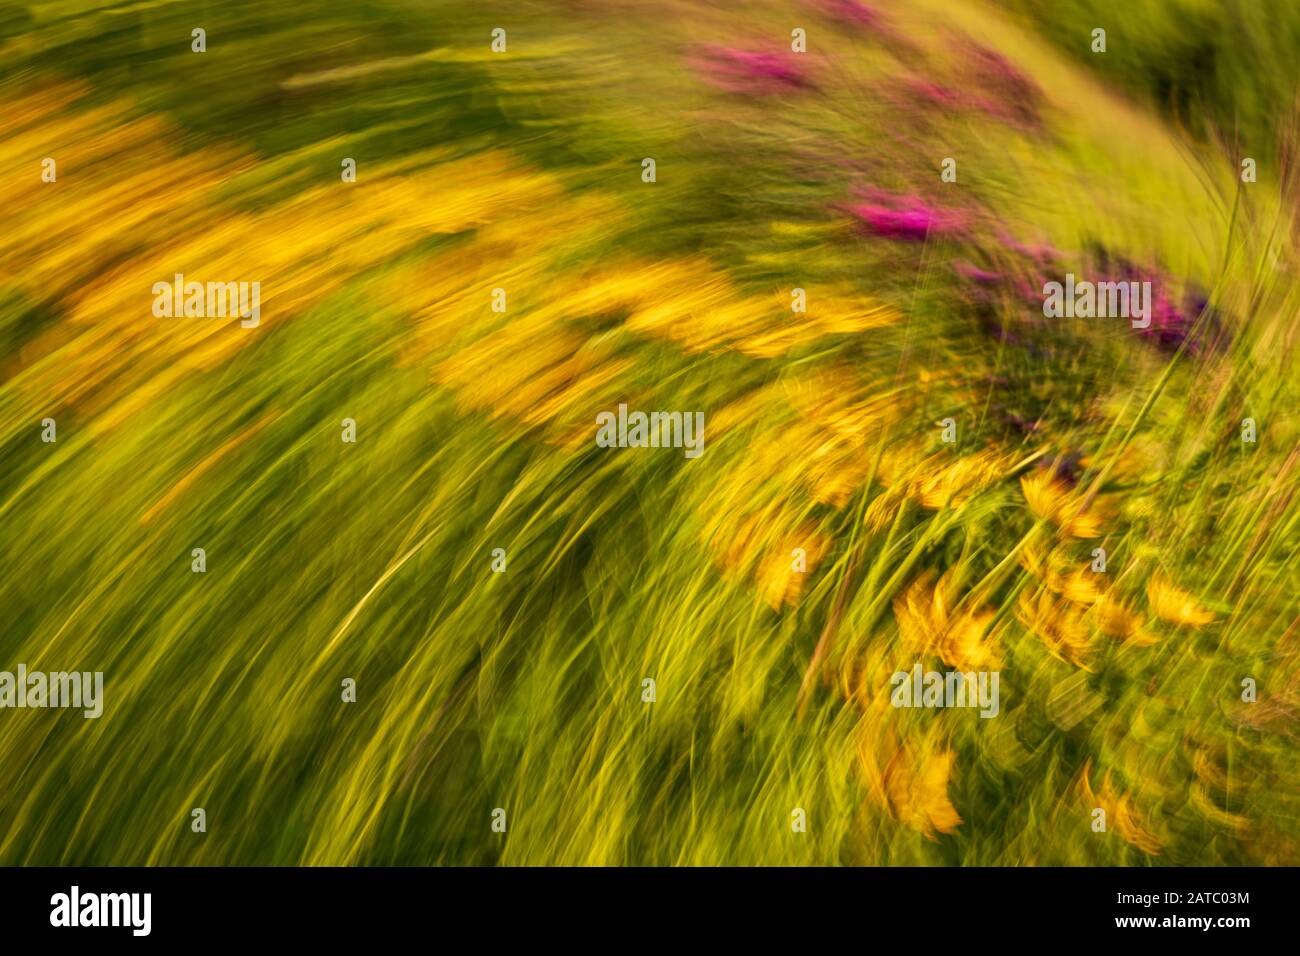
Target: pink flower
934, 93
752, 71
869, 20
851, 11
993, 70
976, 274
1042, 254
997, 87
904, 217
988, 83
1170, 325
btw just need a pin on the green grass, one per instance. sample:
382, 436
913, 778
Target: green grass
522, 690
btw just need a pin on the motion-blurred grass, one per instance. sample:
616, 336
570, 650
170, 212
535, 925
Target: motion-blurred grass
522, 690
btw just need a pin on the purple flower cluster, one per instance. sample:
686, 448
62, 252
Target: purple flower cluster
904, 217
752, 71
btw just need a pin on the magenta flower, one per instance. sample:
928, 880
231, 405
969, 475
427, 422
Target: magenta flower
1042, 254
993, 70
934, 93
976, 274
986, 82
868, 20
851, 11
1170, 325
1003, 91
904, 217
752, 71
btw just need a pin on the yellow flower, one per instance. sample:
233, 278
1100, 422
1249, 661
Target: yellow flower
1078, 586
1043, 494
1049, 500
916, 784
1059, 625
1034, 559
929, 625
953, 484
1175, 606
1118, 620
779, 578
1121, 810
883, 510
1083, 524
1129, 823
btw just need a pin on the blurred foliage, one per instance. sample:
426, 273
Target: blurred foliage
475, 431
1221, 68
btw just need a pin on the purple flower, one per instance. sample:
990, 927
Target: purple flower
976, 274
1067, 467
1042, 254
851, 11
1170, 325
752, 71
934, 93
1014, 97
904, 217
